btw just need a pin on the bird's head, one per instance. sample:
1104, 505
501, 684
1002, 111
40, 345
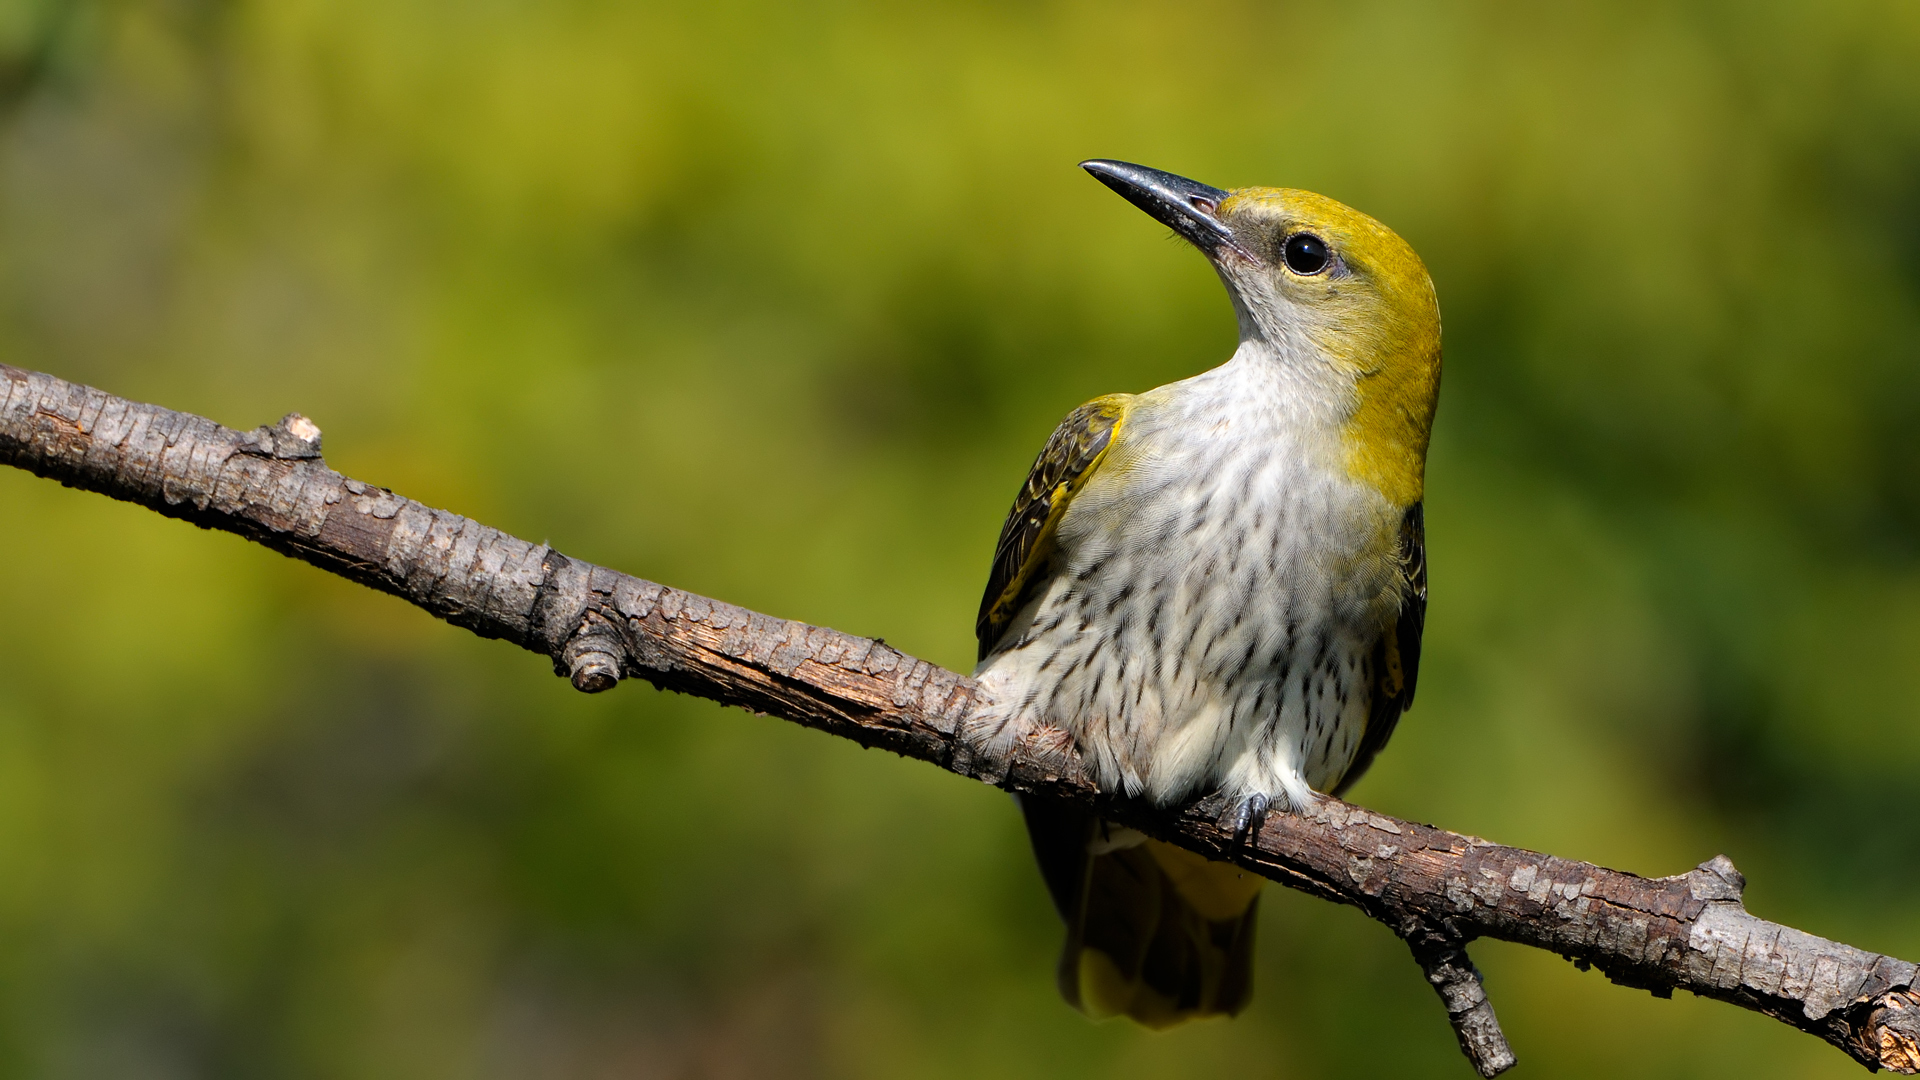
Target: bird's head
1324, 289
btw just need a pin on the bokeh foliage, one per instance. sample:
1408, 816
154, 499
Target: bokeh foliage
775, 302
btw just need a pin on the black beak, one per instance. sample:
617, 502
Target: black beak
1185, 206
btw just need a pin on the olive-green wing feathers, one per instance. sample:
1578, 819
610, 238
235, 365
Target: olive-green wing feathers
1026, 540
1396, 660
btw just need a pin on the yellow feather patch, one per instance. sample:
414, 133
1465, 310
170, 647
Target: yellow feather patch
1394, 679
1378, 316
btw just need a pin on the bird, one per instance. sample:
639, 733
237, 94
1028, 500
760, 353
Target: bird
1219, 586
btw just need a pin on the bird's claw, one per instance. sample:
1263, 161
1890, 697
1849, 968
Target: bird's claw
1245, 816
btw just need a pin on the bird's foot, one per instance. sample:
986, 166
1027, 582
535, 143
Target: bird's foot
1245, 815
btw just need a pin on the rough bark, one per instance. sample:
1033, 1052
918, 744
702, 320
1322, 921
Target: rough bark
1438, 890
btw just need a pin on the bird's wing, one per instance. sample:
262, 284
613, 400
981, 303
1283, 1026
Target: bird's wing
1396, 660
1026, 540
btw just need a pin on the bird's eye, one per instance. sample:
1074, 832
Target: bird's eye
1306, 254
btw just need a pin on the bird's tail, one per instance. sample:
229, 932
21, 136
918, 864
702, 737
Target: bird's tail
1154, 932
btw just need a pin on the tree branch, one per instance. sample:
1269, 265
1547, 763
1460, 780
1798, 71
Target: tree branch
1438, 890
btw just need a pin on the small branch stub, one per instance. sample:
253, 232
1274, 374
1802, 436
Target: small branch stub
1464, 995
294, 438
1894, 1028
1717, 879
593, 655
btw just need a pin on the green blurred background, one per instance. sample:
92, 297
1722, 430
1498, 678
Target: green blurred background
776, 303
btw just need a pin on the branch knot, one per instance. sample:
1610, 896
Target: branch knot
1893, 1029
1716, 879
593, 655
294, 438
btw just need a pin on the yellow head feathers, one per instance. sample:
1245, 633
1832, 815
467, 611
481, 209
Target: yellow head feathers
1302, 266
1327, 290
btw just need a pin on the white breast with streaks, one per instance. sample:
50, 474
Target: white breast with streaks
1210, 614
